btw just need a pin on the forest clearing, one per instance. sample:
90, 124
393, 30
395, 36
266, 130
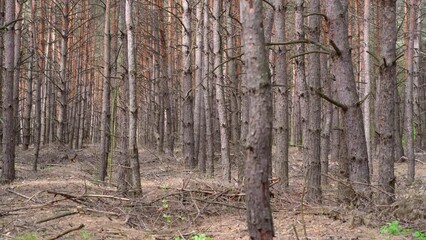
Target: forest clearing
177, 203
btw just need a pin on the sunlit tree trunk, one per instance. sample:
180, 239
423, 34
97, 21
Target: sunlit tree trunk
133, 107
106, 96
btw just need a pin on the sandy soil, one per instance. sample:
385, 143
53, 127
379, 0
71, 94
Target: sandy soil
176, 203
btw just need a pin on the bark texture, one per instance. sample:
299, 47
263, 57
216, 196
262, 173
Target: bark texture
259, 137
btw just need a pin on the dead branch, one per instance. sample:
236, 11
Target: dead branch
67, 231
21, 195
61, 215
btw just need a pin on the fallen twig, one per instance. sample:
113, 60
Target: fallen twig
67, 231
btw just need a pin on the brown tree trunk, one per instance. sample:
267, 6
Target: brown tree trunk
220, 95
62, 86
348, 97
259, 138
8, 166
312, 139
385, 103
409, 99
187, 114
281, 96
106, 97
300, 100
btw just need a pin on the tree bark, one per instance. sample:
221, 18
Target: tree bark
259, 137
409, 99
106, 96
220, 95
187, 99
8, 166
312, 139
133, 107
62, 86
281, 127
385, 103
347, 95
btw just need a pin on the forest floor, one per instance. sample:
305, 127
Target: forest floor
65, 197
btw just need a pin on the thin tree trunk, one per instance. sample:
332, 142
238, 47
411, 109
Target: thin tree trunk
17, 74
281, 96
409, 99
207, 99
106, 96
187, 114
220, 95
133, 107
259, 139
62, 86
300, 102
385, 104
312, 139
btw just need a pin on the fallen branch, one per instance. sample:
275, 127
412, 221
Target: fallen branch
61, 215
21, 195
67, 231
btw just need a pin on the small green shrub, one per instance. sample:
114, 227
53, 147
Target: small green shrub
420, 235
393, 228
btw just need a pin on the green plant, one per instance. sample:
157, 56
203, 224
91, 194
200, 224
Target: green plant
201, 237
420, 235
394, 228
165, 204
167, 218
196, 237
26, 236
85, 235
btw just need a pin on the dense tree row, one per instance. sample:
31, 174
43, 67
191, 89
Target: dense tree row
242, 81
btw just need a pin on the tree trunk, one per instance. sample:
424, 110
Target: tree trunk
187, 114
281, 96
106, 96
367, 85
207, 99
17, 74
220, 95
347, 95
8, 166
300, 99
133, 107
312, 139
259, 137
385, 104
409, 100
62, 86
